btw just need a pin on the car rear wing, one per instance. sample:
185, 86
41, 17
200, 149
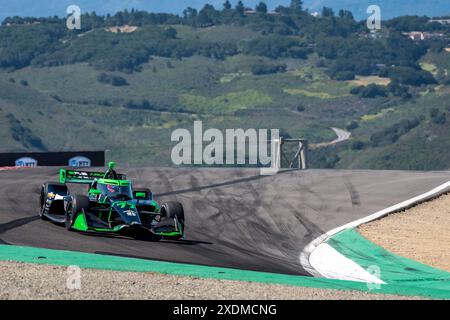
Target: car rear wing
83, 177
142, 194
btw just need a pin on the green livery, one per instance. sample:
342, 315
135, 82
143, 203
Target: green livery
110, 205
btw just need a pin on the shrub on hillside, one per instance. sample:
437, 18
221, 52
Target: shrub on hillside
399, 90
437, 116
116, 81
370, 91
344, 75
357, 145
262, 68
408, 76
352, 125
143, 104
393, 133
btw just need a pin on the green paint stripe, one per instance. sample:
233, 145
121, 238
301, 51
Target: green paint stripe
170, 234
395, 270
95, 261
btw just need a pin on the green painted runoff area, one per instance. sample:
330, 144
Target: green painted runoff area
97, 261
394, 269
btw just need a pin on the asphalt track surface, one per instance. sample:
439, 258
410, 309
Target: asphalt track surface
234, 217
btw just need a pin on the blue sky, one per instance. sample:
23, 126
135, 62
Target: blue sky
389, 8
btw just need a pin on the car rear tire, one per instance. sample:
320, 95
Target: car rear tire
45, 190
76, 204
174, 210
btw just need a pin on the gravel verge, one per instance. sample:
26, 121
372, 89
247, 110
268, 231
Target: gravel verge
33, 281
421, 233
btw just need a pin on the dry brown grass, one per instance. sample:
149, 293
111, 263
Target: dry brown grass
122, 29
421, 233
365, 81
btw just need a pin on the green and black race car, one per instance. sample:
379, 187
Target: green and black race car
111, 205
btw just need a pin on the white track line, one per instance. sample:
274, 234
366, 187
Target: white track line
342, 268
321, 260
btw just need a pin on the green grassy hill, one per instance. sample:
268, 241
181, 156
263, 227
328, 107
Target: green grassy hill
73, 92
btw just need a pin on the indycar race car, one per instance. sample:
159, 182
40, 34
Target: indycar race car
111, 205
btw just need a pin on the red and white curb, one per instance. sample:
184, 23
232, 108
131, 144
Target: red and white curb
321, 260
7, 168
14, 168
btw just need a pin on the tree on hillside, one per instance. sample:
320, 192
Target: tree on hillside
327, 12
261, 7
206, 16
297, 5
408, 76
346, 14
240, 8
190, 16
190, 13
119, 18
227, 15
227, 5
